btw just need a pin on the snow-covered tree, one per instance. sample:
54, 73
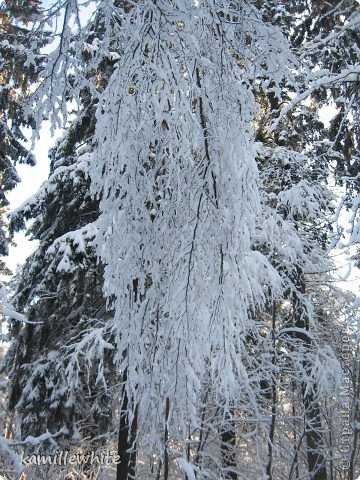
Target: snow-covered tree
60, 290
325, 72
325, 36
17, 75
179, 201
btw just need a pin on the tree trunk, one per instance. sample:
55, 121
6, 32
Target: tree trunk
126, 441
273, 397
313, 429
228, 442
314, 439
355, 416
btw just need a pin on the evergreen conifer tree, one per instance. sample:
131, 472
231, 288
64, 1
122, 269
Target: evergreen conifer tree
17, 75
61, 291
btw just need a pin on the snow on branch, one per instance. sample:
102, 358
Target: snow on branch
324, 79
9, 311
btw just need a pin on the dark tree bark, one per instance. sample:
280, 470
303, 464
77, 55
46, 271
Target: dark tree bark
127, 441
228, 442
314, 439
312, 414
273, 399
